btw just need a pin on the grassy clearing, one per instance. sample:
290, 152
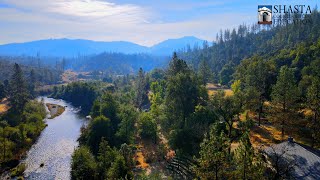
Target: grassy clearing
55, 110
214, 88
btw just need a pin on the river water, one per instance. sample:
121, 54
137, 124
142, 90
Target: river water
55, 145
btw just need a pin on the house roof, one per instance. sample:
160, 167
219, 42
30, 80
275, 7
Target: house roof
306, 159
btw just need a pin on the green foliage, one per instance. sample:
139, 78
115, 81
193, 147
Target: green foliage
119, 169
19, 94
128, 116
99, 128
2, 91
105, 158
253, 74
14, 139
181, 98
188, 140
158, 87
284, 96
148, 127
226, 74
18, 171
204, 72
79, 93
32, 83
141, 90
313, 102
248, 163
226, 108
214, 157
83, 165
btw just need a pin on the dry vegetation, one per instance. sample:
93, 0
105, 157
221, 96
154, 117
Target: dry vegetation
214, 88
69, 76
267, 133
4, 105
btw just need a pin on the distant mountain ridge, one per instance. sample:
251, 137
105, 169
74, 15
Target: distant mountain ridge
73, 47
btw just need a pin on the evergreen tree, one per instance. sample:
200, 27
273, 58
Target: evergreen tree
99, 128
253, 73
214, 156
83, 165
313, 102
284, 96
226, 109
2, 91
148, 127
19, 94
141, 90
32, 83
105, 158
126, 129
226, 74
177, 65
249, 165
204, 72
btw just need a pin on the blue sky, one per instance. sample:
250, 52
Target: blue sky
144, 22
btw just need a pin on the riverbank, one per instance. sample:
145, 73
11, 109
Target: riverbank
33, 112
50, 156
55, 110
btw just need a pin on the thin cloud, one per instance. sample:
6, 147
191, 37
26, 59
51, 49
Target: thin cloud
107, 21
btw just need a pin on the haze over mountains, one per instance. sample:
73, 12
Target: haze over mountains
72, 48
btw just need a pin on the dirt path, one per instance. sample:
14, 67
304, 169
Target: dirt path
151, 157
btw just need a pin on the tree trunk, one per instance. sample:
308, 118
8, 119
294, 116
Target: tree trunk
314, 129
259, 115
4, 146
217, 171
230, 130
282, 129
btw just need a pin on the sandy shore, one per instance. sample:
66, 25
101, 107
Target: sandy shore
55, 110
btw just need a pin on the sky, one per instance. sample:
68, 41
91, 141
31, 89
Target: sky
145, 22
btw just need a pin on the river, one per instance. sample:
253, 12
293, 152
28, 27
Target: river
55, 145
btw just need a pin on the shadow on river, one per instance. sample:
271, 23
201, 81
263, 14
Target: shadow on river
55, 145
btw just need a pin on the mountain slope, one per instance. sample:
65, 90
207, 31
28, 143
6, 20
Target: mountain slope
72, 48
68, 48
170, 45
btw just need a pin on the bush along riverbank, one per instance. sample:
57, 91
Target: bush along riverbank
18, 132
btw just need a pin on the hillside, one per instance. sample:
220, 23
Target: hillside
75, 47
270, 42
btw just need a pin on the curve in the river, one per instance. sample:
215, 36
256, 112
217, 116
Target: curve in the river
55, 145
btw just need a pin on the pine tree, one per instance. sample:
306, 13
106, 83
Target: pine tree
19, 94
313, 102
204, 72
2, 91
32, 83
253, 74
214, 156
249, 165
284, 96
141, 90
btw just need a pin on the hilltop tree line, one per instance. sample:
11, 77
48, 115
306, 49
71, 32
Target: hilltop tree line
232, 46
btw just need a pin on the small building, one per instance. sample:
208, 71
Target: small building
299, 161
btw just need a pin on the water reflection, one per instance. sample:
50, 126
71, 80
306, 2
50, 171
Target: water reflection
55, 145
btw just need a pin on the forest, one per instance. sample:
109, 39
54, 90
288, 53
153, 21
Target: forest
203, 115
